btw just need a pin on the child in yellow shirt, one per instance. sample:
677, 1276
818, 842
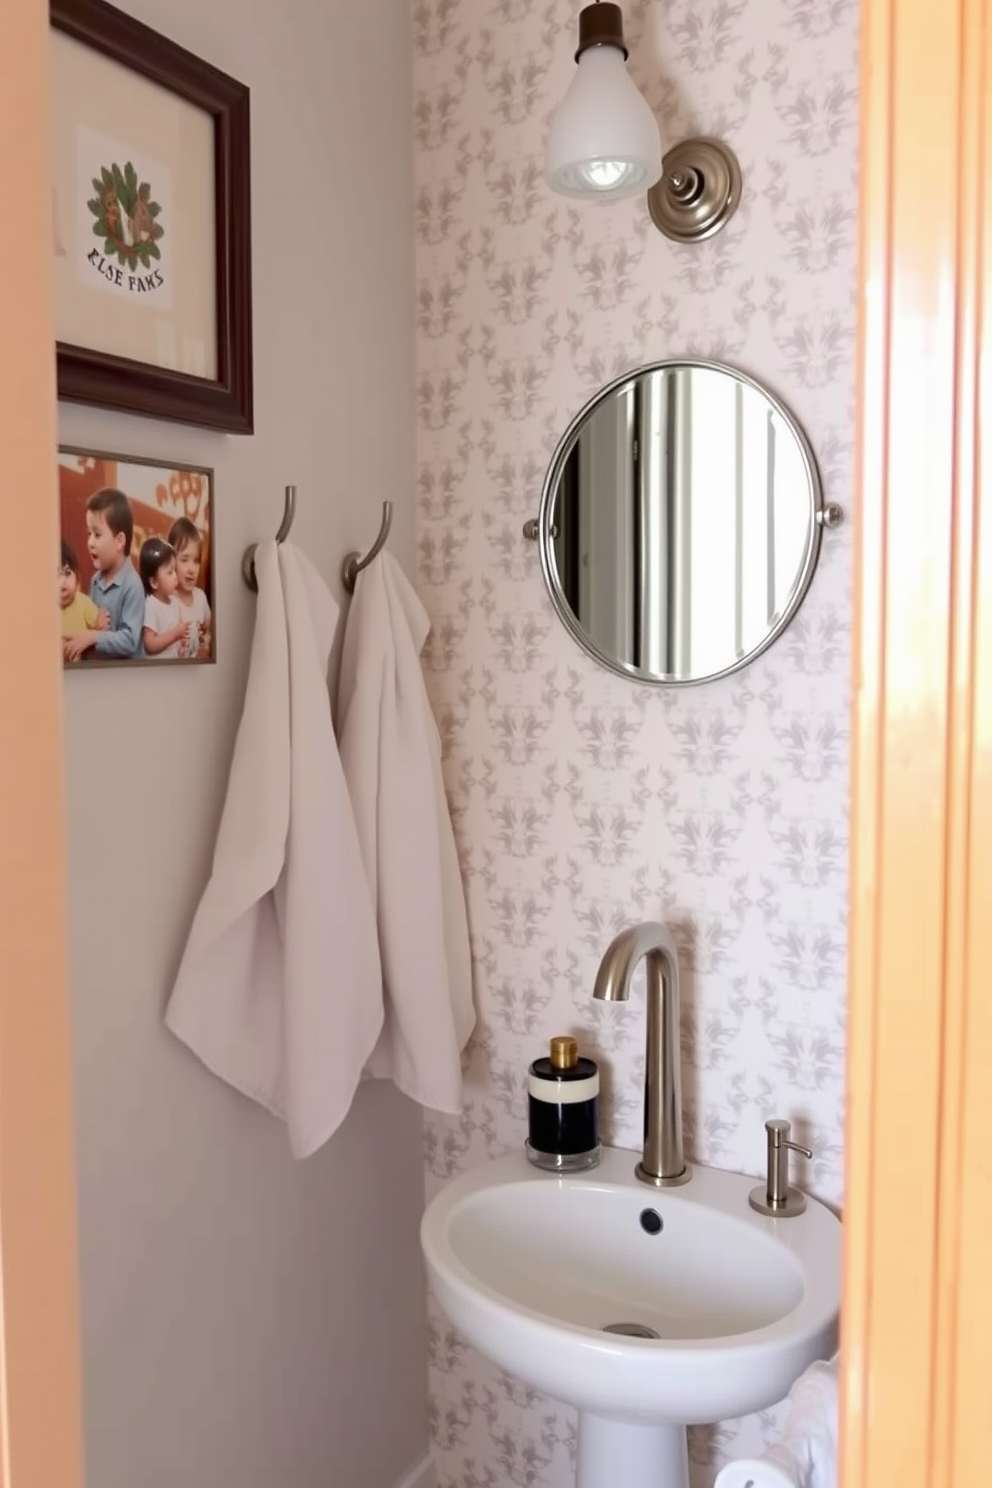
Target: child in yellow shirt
79, 613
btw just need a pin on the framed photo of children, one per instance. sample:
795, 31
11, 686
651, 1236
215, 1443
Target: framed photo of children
136, 560
151, 232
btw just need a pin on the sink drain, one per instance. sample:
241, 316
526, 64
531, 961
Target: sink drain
632, 1330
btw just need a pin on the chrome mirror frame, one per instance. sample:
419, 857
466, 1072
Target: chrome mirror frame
822, 515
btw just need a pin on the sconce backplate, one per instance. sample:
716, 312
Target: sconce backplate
699, 191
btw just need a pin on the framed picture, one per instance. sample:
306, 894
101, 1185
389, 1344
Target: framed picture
136, 561
151, 223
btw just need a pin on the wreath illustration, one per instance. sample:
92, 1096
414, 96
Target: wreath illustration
126, 216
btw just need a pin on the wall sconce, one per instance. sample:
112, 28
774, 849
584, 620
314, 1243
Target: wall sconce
604, 142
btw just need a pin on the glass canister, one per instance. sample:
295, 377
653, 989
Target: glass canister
563, 1109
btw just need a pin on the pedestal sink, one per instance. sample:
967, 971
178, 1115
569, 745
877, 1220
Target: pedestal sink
535, 1270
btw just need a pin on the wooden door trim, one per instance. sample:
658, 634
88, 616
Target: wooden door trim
917, 1325
40, 1433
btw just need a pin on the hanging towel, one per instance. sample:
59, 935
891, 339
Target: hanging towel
391, 753
279, 990
806, 1457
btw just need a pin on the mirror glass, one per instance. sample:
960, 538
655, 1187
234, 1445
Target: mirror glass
680, 522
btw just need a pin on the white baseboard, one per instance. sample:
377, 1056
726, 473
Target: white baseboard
421, 1476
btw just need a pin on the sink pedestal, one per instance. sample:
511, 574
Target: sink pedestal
615, 1453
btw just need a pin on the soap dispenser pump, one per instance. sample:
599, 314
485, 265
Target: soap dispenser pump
563, 1109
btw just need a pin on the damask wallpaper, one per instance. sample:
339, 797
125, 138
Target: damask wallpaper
582, 802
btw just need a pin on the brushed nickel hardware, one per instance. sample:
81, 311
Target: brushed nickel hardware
699, 190
248, 556
774, 1196
532, 530
662, 1163
354, 562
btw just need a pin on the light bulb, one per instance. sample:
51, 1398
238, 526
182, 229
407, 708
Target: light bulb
605, 175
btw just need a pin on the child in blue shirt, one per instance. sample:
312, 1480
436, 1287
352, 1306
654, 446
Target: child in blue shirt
115, 587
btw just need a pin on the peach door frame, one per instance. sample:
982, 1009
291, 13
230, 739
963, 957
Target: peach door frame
918, 1291
917, 1323
40, 1431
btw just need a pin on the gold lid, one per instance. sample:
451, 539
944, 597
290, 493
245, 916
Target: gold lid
564, 1053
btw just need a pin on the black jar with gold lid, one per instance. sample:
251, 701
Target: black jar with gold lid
563, 1109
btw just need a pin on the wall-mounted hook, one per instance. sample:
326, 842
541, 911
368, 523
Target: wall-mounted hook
248, 557
354, 562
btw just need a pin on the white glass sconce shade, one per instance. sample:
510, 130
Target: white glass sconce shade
604, 139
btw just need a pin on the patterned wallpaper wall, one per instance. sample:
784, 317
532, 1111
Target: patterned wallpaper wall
582, 802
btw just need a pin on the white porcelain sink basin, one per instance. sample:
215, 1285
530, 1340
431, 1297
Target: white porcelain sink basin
531, 1268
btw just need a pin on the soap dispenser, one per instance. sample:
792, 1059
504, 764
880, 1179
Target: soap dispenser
775, 1196
563, 1109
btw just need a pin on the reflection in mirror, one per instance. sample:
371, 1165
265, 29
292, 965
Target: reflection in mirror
679, 524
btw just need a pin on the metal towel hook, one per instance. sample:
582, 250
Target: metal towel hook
248, 559
354, 562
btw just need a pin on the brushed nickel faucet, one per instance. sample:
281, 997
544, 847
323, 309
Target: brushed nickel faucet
662, 1163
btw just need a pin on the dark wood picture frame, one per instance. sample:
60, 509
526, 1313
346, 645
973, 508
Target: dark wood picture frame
89, 376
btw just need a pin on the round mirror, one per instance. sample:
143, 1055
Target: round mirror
680, 522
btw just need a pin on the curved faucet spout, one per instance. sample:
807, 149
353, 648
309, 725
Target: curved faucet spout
663, 1163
